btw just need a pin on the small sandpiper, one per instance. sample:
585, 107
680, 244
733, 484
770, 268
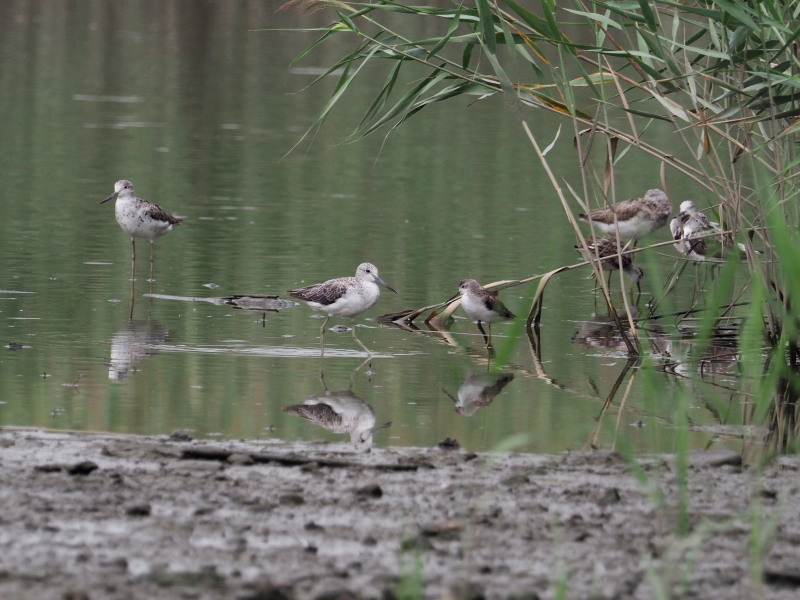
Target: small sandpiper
699, 239
344, 296
607, 248
633, 218
482, 306
140, 218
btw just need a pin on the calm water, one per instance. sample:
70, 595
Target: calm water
200, 110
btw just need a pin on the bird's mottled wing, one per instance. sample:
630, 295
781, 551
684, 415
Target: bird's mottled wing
323, 293
607, 247
627, 209
154, 211
491, 392
702, 219
676, 226
492, 302
316, 413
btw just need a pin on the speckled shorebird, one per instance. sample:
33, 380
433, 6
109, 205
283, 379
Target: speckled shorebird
482, 306
699, 239
344, 296
633, 218
140, 218
607, 248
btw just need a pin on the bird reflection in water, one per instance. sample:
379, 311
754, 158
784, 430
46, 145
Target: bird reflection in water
600, 332
479, 390
133, 344
718, 355
340, 412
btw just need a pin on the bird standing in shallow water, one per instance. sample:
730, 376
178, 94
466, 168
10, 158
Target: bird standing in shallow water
482, 305
607, 248
633, 218
139, 218
344, 296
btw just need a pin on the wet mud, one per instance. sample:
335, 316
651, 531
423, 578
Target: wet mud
111, 517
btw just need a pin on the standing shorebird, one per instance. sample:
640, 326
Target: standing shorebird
607, 248
482, 305
140, 218
633, 218
699, 239
344, 296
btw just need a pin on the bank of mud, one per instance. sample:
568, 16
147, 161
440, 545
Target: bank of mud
109, 517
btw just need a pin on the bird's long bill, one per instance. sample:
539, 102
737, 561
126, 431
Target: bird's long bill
384, 284
366, 435
111, 197
453, 297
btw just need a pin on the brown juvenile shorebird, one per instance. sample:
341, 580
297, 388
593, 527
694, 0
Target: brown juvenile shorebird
344, 296
699, 239
607, 248
482, 306
140, 218
633, 218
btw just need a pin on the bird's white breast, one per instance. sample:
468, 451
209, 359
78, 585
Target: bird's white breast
476, 309
133, 218
353, 302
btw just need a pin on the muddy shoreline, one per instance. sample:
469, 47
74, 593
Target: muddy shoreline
89, 516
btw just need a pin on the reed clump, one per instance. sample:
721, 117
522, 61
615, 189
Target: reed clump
722, 76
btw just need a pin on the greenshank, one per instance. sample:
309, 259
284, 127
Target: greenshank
139, 218
344, 296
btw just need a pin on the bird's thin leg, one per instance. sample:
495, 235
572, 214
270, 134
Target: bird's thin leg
322, 335
322, 372
133, 258
487, 340
357, 369
355, 337
152, 261
130, 316
133, 270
